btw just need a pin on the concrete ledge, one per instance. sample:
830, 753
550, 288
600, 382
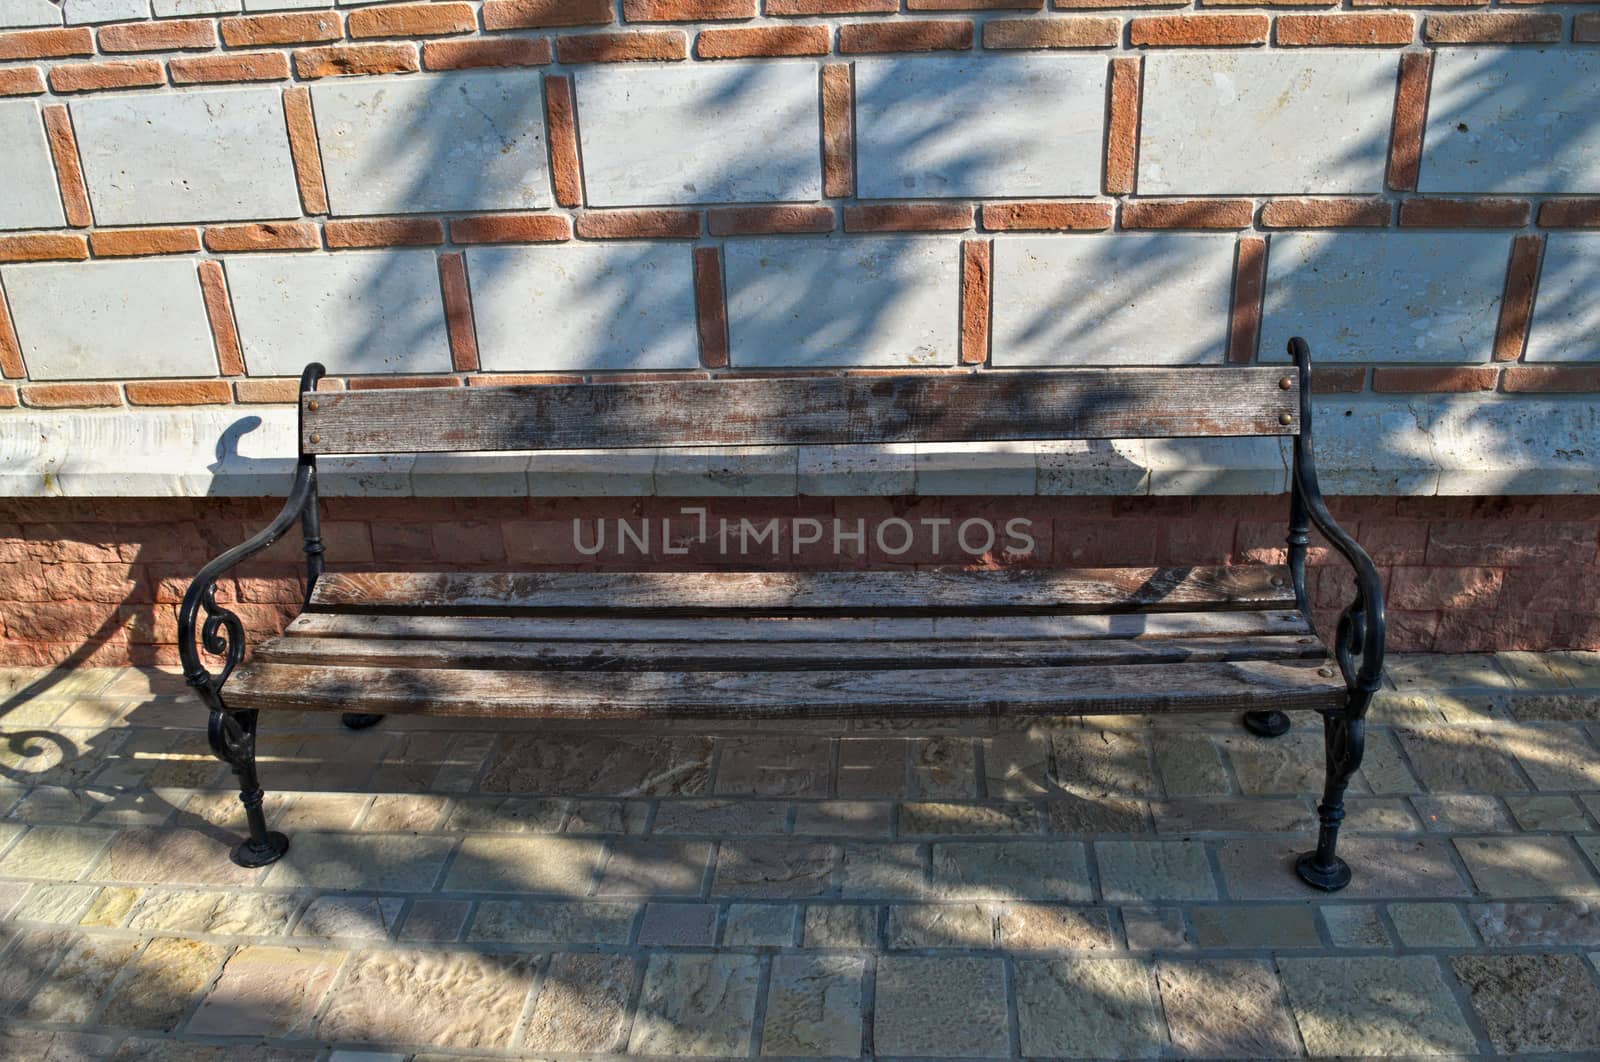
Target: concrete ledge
1365, 445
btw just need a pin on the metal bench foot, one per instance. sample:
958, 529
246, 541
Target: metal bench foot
360, 720
233, 739
1346, 738
1269, 724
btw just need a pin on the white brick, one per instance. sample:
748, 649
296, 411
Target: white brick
18, 14
1514, 446
110, 320
869, 470
726, 471
871, 301
1220, 123
583, 307
1255, 465
282, 5
1372, 445
995, 126
1006, 466
1093, 466
1566, 318
456, 142
26, 172
90, 11
471, 475
191, 156
356, 312
1385, 296
591, 473
169, 8
693, 135
1112, 300
1513, 120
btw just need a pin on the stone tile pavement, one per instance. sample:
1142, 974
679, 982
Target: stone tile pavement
1108, 888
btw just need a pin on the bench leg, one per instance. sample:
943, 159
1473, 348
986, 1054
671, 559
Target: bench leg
1268, 724
1346, 738
233, 739
360, 720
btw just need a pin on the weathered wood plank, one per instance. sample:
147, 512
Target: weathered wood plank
946, 407
830, 629
714, 694
773, 656
1083, 590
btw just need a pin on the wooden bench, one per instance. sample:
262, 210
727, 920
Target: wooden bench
755, 645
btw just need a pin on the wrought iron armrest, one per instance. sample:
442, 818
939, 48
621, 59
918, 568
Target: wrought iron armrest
1358, 642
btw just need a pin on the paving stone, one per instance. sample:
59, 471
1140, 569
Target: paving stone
942, 768
1226, 1009
720, 817
1374, 1005
774, 767
1155, 928
1047, 927
1291, 764
252, 914
773, 868
873, 767
760, 925
525, 864
884, 871
443, 999
524, 922
1533, 1002
841, 926
161, 984
1463, 813
213, 155
696, 1005
607, 816
1263, 869
746, 133
1378, 815
1039, 870
435, 920
1430, 925
1154, 870
678, 925
1453, 758
267, 991
1524, 924
356, 312
321, 811
814, 1006
600, 765
1189, 765
867, 301
27, 170
940, 1007
350, 917
1554, 707
1384, 768
940, 926
1253, 815
53, 852
1554, 757
11, 893
939, 820
1403, 709
1101, 1008
1018, 766
61, 904
356, 861
1257, 926
918, 122
1092, 815
582, 1004
1355, 925
1560, 814
74, 987
844, 818
404, 813
42, 1045
1508, 867
654, 868
111, 905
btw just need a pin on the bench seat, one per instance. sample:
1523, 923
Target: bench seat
781, 645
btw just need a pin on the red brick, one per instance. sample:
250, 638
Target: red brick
125, 243
178, 392
1419, 3
1250, 280
1511, 542
1187, 213
69, 171
1046, 217
908, 217
910, 35
1552, 379
21, 81
1479, 631
1562, 588
43, 247
165, 35
767, 220
46, 43
10, 351
1314, 31
638, 224
295, 27
1586, 27
63, 395
1486, 27
629, 46
1122, 126
1092, 5
263, 236
838, 136
762, 41
99, 77
511, 228
279, 389
343, 60
540, 14
1410, 116
303, 149
976, 259
1516, 308
1465, 213
1433, 380
520, 379
385, 383
219, 311
975, 5
1395, 541
458, 313
686, 10
1325, 213
250, 66
411, 20
1570, 213
1082, 32
566, 172
1197, 31
496, 52
385, 232
789, 8
1338, 379
711, 311
8, 397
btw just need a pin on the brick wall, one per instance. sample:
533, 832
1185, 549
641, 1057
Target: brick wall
97, 582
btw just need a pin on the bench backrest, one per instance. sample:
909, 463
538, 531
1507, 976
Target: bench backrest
945, 407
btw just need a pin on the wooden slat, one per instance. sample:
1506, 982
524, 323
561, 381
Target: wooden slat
1083, 590
830, 629
1053, 404
773, 656
777, 694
